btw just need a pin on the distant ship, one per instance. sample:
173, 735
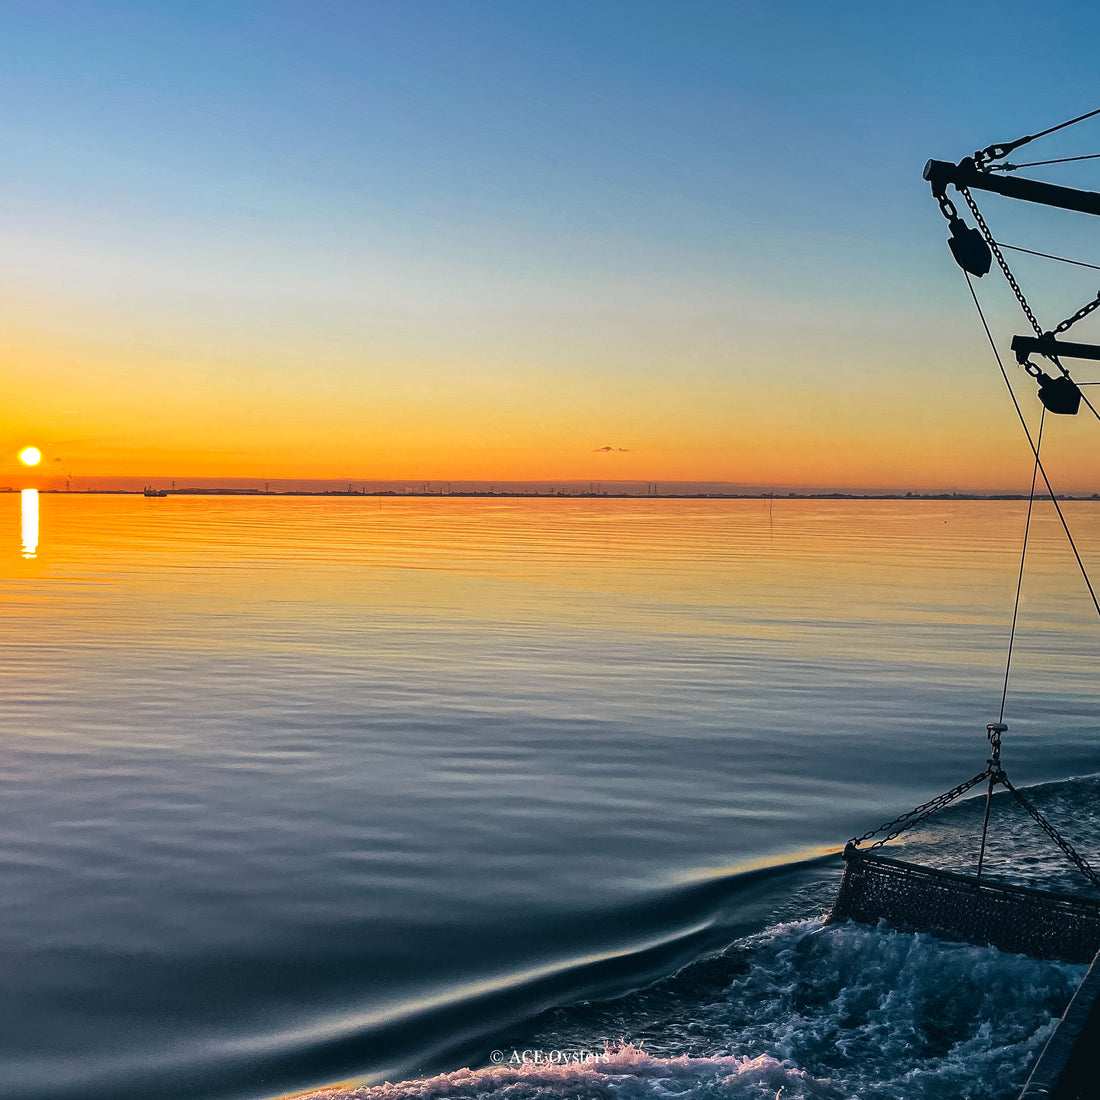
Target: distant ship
149, 492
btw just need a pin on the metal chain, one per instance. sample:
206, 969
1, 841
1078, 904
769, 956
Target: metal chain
927, 809
989, 240
1054, 835
918, 814
947, 207
1084, 311
949, 211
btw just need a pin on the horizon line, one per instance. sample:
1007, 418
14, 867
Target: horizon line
499, 486
825, 494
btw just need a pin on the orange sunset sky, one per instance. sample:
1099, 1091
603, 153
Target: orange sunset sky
521, 241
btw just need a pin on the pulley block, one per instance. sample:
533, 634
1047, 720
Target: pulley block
968, 247
1059, 395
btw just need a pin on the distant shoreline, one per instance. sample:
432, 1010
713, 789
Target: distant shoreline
558, 495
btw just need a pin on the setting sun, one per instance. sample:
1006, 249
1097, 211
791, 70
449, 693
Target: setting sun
30, 456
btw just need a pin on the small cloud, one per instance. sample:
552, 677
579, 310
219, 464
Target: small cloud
607, 450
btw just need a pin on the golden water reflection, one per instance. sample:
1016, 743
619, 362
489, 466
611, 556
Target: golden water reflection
30, 523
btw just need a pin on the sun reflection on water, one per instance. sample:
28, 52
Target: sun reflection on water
30, 523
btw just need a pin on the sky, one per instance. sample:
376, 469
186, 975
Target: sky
508, 239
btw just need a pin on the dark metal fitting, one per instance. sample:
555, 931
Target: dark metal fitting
968, 247
993, 152
1059, 395
939, 187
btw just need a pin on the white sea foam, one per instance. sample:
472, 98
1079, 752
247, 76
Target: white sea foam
798, 1011
624, 1073
884, 1014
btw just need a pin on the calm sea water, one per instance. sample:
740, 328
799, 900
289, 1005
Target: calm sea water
301, 790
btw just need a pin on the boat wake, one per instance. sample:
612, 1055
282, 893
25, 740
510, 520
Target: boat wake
800, 1010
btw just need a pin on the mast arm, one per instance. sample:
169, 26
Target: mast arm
1050, 347
940, 173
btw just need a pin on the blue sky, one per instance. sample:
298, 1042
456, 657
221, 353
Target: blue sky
610, 223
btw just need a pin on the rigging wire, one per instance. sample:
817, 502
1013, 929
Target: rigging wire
1020, 578
1047, 255
1092, 408
1039, 163
995, 249
1061, 126
995, 730
994, 772
984, 157
1031, 443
